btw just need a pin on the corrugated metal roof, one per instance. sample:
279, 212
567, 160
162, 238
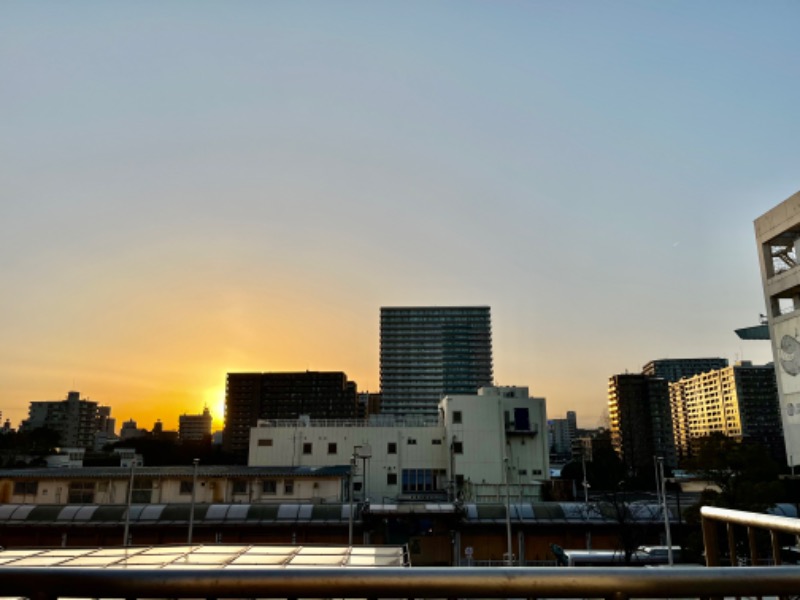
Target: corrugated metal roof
211, 471
208, 557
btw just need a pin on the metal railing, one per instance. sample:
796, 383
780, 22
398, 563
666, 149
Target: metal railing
613, 583
753, 522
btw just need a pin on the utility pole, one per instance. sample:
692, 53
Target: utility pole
663, 487
128, 503
196, 461
509, 556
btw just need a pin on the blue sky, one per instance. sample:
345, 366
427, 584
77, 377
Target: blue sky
193, 188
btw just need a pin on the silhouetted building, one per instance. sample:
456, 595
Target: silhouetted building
641, 421
75, 420
253, 396
195, 428
429, 352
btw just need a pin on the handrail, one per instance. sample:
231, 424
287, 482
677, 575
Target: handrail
614, 583
752, 521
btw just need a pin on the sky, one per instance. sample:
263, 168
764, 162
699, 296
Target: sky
193, 188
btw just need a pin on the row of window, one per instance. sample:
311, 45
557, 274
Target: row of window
391, 447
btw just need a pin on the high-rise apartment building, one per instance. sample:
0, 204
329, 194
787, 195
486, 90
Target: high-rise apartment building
640, 421
740, 402
76, 420
253, 396
428, 353
673, 369
778, 239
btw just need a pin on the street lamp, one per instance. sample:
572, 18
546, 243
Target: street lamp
350, 499
196, 461
509, 557
128, 503
663, 487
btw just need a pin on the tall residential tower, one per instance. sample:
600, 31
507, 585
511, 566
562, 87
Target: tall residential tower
430, 352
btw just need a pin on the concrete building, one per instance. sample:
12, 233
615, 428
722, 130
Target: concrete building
195, 428
673, 369
253, 396
76, 420
640, 421
478, 443
428, 353
740, 402
562, 432
778, 238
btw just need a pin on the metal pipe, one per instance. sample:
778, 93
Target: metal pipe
662, 486
433, 582
749, 519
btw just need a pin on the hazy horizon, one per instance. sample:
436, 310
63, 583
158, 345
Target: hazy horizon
195, 189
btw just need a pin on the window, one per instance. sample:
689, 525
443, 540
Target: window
332, 448
391, 448
459, 481
436, 442
536, 471
288, 487
357, 486
239, 486
307, 448
269, 488
421, 480
523, 471
456, 417
458, 447
81, 492
412, 442
391, 479
24, 488
142, 491
263, 443
186, 487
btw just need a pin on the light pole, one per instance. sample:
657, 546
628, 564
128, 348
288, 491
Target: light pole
196, 461
663, 487
128, 503
350, 498
509, 557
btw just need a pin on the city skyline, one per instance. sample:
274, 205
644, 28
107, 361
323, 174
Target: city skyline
192, 191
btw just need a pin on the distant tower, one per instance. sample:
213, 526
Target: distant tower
427, 353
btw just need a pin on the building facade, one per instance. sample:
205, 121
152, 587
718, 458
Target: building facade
778, 239
478, 448
640, 421
427, 353
253, 396
740, 402
673, 369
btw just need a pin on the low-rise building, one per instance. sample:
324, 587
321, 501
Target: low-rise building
480, 448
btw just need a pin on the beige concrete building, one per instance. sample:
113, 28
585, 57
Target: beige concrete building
477, 444
778, 238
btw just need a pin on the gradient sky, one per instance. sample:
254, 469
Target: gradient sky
192, 188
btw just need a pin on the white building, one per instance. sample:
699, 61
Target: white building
778, 237
480, 448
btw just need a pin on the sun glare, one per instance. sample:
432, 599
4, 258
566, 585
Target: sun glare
215, 400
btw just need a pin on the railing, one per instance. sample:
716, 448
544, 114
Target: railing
752, 522
614, 583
